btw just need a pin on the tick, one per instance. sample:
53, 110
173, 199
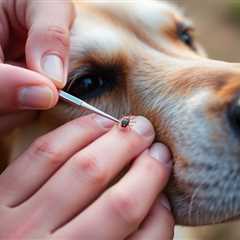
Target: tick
125, 122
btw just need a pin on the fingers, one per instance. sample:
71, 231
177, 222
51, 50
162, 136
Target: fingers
47, 46
159, 224
122, 208
89, 172
48, 40
4, 32
46, 155
24, 89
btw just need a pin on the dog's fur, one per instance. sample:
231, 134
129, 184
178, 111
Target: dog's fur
184, 94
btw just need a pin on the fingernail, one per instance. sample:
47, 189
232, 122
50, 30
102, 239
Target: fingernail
143, 127
35, 97
164, 202
52, 65
160, 153
104, 122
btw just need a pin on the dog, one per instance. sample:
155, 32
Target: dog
141, 58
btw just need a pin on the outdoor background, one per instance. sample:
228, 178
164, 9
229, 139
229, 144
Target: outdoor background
217, 25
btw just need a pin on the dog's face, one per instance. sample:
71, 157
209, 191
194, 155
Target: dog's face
139, 57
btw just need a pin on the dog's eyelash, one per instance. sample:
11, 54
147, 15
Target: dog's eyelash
73, 76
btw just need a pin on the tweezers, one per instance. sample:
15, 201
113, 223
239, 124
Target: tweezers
66, 97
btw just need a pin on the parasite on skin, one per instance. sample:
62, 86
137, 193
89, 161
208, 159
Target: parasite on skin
126, 122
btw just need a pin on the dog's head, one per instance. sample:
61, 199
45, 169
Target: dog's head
139, 57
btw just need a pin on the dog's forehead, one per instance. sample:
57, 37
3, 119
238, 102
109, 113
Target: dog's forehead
155, 15
151, 13
108, 27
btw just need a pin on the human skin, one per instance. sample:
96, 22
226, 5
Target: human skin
63, 187
75, 175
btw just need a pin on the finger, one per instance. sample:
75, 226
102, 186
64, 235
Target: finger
4, 32
24, 89
89, 172
1, 55
10, 121
46, 155
48, 41
159, 224
123, 207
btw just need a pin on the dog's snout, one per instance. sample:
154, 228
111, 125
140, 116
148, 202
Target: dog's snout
234, 114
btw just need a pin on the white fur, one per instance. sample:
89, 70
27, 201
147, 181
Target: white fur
198, 99
89, 37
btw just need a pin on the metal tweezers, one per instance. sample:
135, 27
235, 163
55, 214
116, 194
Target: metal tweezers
66, 97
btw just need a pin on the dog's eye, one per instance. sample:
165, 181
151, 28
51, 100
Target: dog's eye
91, 84
86, 86
186, 36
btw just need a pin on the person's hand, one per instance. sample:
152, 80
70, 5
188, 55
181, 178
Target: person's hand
35, 35
67, 185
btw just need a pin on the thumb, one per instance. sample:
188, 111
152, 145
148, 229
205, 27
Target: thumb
47, 46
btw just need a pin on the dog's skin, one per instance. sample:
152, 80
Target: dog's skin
135, 57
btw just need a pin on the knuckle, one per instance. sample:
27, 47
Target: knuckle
88, 165
59, 35
125, 208
44, 149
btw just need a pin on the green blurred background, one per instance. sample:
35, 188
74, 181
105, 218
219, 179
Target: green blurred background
217, 26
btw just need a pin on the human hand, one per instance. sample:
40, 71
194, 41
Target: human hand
33, 34
64, 190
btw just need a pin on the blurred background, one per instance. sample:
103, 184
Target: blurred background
217, 25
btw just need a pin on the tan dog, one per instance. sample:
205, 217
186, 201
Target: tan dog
139, 57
